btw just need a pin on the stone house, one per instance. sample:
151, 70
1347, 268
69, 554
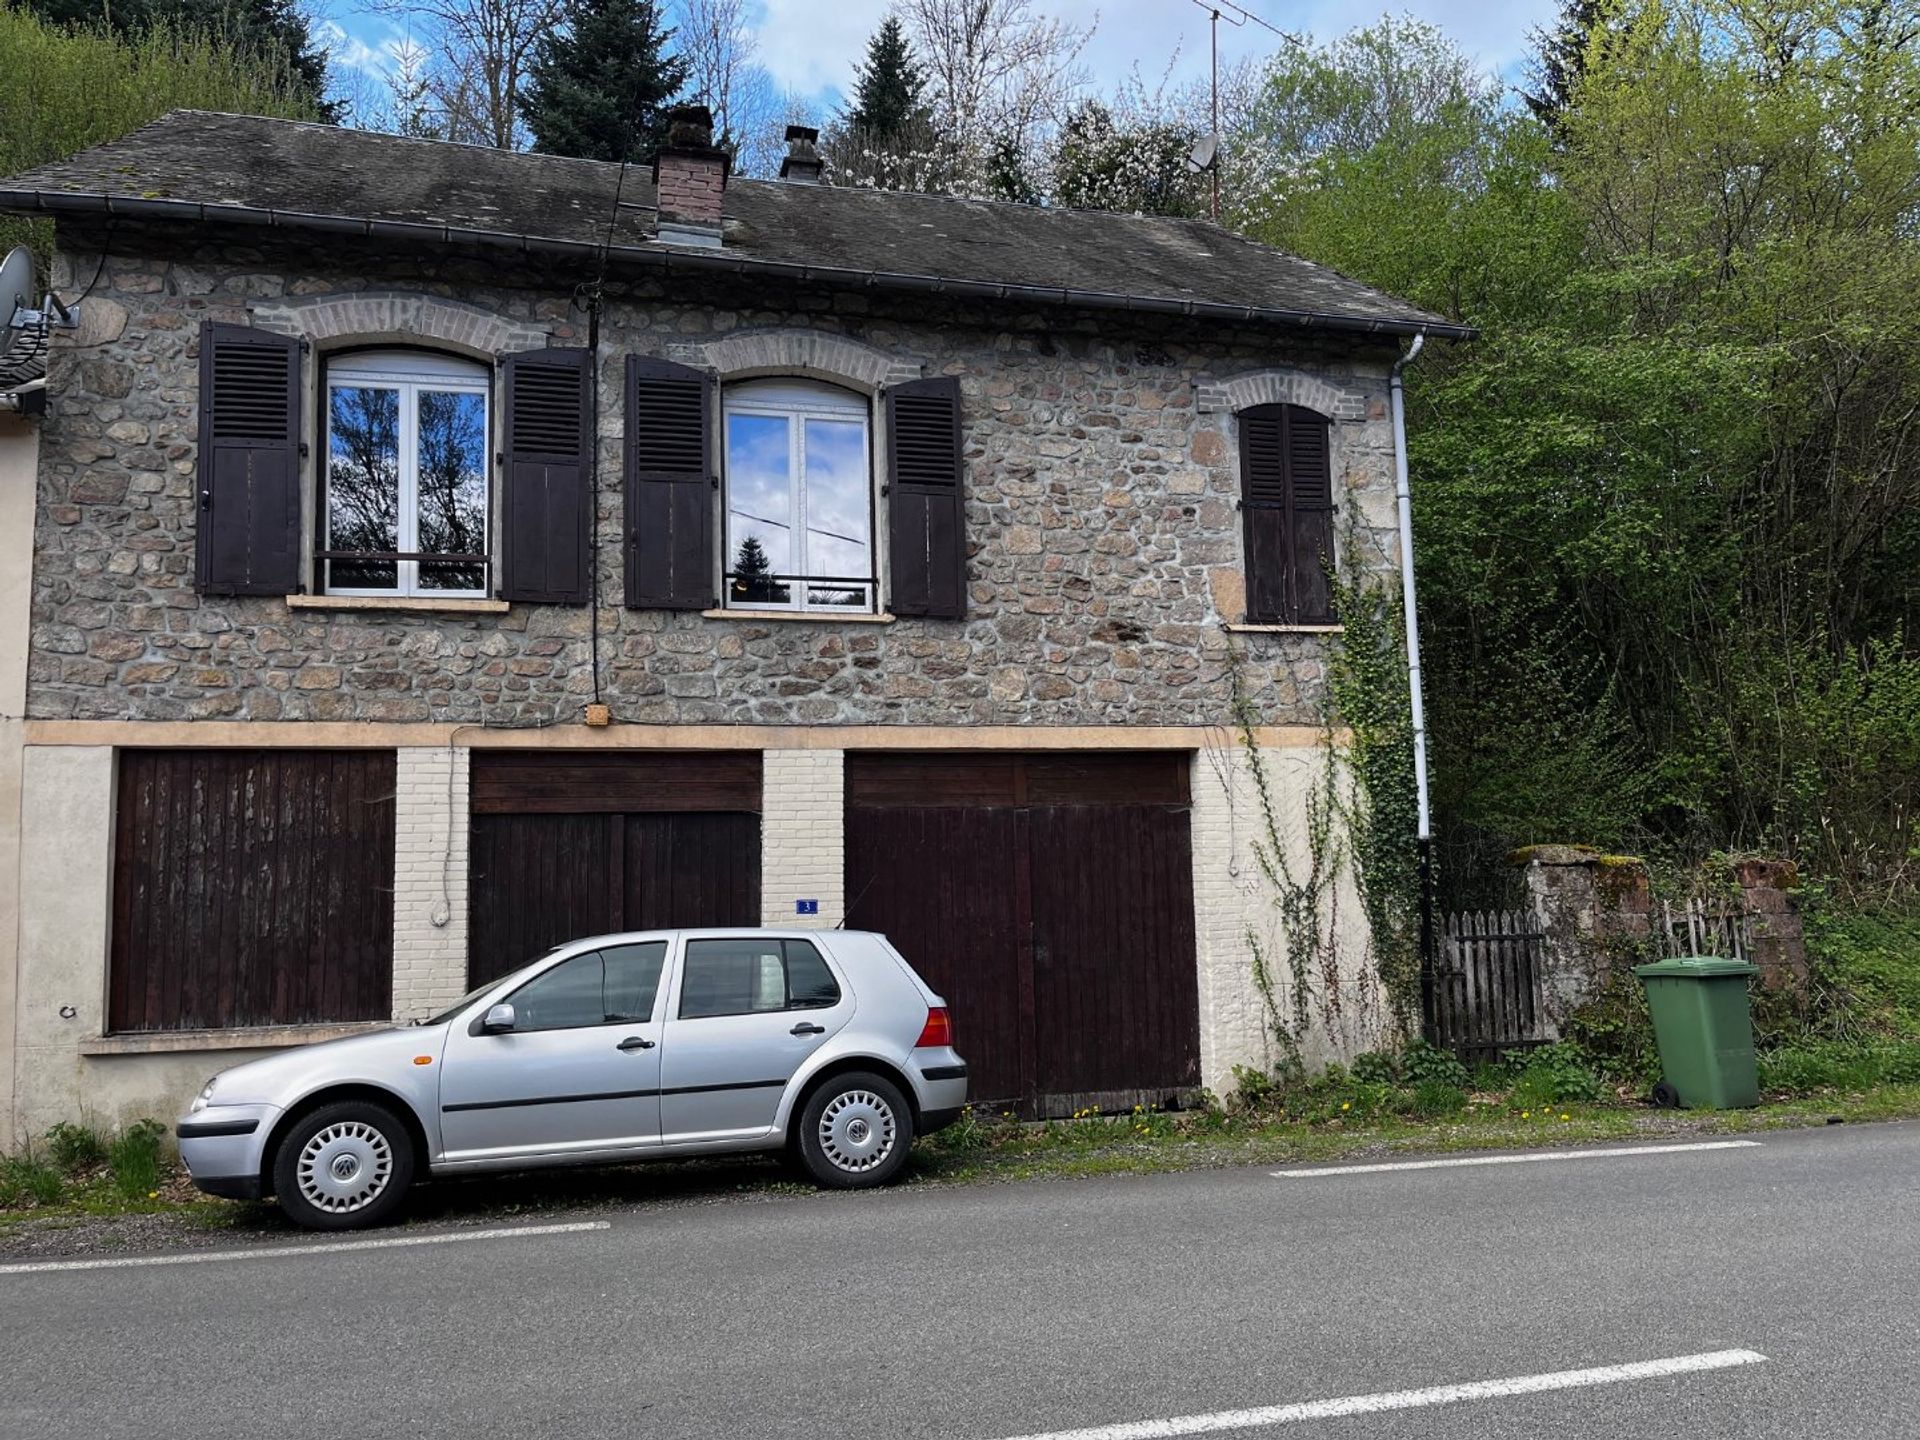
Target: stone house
440, 552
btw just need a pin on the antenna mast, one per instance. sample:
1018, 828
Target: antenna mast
1240, 15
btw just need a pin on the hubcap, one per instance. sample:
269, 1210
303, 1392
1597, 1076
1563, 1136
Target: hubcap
345, 1167
856, 1131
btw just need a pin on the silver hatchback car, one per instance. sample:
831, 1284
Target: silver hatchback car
653, 1045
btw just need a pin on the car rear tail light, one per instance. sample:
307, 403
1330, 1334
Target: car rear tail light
937, 1033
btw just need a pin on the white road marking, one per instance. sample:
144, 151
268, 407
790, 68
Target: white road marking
268, 1252
1528, 1158
1407, 1399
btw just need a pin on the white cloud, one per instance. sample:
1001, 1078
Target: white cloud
813, 47
372, 51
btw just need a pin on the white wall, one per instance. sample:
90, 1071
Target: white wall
803, 836
19, 473
429, 879
1236, 908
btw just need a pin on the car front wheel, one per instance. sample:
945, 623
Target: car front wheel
855, 1132
345, 1166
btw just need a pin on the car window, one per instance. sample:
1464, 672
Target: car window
752, 975
599, 987
810, 985
633, 979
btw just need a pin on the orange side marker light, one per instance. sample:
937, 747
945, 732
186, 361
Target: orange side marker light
423, 1059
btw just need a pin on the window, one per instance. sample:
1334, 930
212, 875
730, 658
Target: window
1286, 508
752, 976
405, 502
616, 985
799, 532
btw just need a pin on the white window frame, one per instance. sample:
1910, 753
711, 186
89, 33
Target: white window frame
408, 372
798, 401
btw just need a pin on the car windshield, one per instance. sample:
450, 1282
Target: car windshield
472, 995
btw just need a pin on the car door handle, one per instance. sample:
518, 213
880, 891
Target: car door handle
807, 1028
634, 1042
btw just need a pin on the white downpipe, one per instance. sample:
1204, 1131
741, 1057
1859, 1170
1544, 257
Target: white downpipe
1403, 493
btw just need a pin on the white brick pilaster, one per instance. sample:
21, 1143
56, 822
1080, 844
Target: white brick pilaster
429, 880
803, 837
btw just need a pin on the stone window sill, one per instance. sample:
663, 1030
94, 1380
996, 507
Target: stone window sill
420, 604
819, 617
264, 1037
1247, 629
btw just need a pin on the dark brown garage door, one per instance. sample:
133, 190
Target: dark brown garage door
566, 844
252, 887
1049, 898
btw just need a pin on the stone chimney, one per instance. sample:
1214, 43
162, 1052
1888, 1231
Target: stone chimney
690, 176
802, 163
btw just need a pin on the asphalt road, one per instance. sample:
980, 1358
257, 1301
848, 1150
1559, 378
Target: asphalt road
997, 1311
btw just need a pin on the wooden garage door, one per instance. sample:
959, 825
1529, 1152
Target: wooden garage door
1049, 898
565, 844
252, 887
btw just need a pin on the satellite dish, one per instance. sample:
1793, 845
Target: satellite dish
1205, 153
16, 297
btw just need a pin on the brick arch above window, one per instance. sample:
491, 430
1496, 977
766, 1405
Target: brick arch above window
812, 354
397, 319
1283, 387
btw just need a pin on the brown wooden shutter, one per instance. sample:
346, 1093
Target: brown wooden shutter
1309, 517
247, 539
547, 498
1286, 506
670, 557
926, 500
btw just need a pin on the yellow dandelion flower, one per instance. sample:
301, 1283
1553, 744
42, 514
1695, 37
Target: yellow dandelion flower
1346, 1104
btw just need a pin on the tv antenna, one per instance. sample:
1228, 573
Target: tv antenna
1205, 155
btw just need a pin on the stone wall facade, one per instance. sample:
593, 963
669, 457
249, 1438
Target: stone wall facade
1101, 509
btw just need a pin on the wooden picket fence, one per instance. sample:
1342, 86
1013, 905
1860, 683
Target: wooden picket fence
1702, 926
1487, 984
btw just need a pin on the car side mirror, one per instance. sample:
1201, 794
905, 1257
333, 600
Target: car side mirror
500, 1019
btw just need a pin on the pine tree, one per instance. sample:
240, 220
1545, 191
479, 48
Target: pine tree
752, 574
410, 99
600, 88
886, 95
1560, 60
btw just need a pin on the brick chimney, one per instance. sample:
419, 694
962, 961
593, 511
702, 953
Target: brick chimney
801, 164
690, 176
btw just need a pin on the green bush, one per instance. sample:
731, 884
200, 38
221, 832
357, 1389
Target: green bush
75, 1149
1866, 969
1423, 1064
27, 1181
133, 1157
1435, 1098
1377, 1067
1253, 1090
1556, 1074
1615, 1030
1811, 1065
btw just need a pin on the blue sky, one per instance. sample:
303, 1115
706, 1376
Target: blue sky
811, 47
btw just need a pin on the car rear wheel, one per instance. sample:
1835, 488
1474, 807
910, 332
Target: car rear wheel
855, 1132
345, 1166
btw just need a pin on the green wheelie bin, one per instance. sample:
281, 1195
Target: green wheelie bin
1704, 1028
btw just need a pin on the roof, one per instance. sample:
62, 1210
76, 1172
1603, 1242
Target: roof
198, 166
